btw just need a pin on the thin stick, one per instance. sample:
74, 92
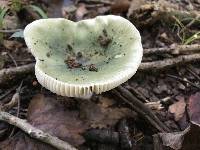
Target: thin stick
139, 111
34, 132
193, 73
159, 12
11, 73
178, 49
7, 92
105, 2
137, 93
14, 72
12, 103
154, 105
143, 110
184, 80
18, 91
12, 58
157, 142
169, 62
10, 31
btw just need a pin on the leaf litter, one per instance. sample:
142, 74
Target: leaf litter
53, 116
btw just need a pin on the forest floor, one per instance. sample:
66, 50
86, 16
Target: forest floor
158, 108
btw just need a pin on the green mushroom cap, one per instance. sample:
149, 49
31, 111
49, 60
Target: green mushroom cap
77, 59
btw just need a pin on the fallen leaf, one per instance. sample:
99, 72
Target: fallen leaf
194, 107
11, 22
185, 140
106, 102
4, 3
52, 116
80, 12
178, 109
68, 10
183, 122
120, 6
97, 115
12, 45
135, 4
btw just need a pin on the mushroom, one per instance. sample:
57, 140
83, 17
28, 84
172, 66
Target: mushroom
77, 59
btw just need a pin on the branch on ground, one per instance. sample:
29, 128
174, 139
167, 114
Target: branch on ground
149, 14
34, 132
15, 72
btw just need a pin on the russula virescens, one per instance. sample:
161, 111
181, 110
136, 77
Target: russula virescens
77, 59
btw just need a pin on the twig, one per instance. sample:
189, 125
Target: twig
124, 135
140, 108
169, 62
3, 132
15, 72
193, 21
34, 132
150, 13
7, 92
12, 58
105, 2
17, 97
184, 80
177, 49
154, 105
193, 73
10, 31
157, 142
18, 110
138, 94
12, 103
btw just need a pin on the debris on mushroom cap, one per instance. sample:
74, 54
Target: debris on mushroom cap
103, 39
90, 56
92, 67
72, 63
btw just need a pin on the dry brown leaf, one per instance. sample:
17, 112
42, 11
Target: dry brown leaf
194, 107
11, 22
98, 116
106, 102
4, 3
120, 6
178, 109
52, 116
80, 12
135, 4
12, 45
185, 140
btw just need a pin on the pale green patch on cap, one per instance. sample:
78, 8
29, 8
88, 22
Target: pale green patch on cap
90, 56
